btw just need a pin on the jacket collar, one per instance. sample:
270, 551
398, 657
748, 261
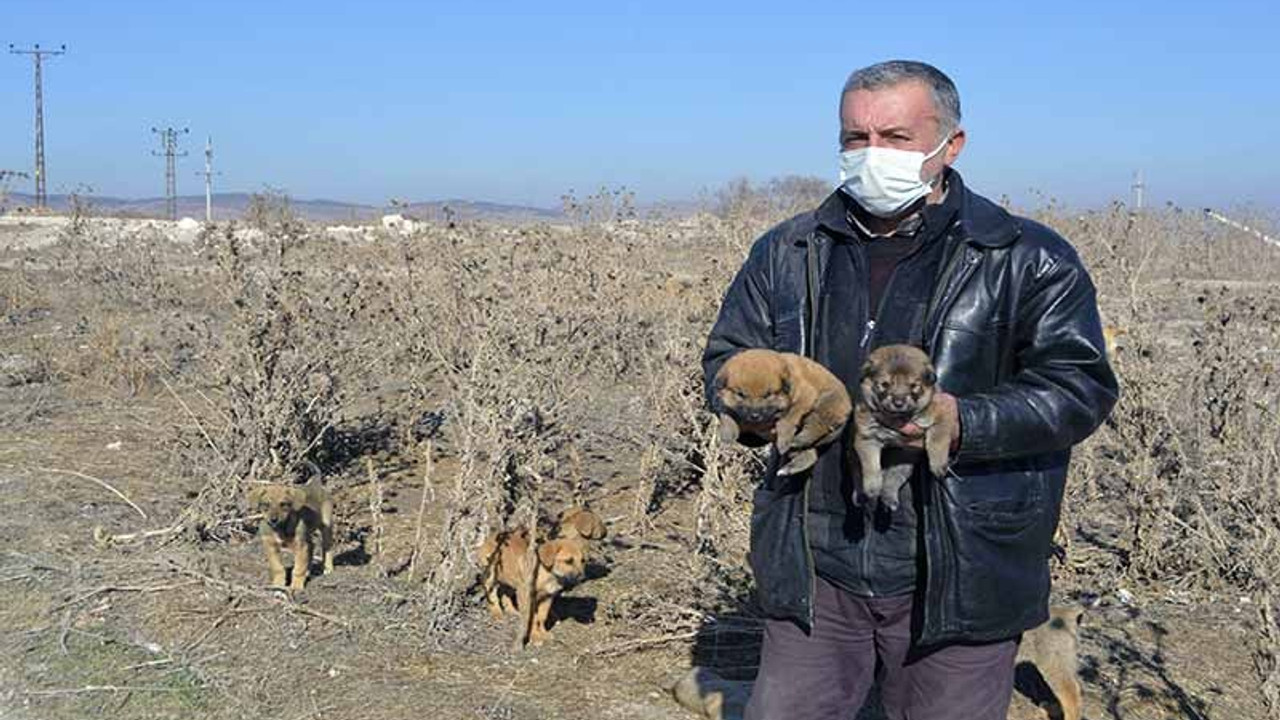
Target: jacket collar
980, 222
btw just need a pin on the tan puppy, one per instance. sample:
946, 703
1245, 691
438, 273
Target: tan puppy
703, 691
290, 514
1052, 648
561, 563
580, 522
783, 397
898, 384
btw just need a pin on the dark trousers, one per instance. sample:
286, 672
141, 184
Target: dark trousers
828, 675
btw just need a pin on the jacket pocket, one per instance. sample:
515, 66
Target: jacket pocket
1001, 525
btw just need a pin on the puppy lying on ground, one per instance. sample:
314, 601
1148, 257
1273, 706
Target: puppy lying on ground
898, 385
561, 563
290, 514
783, 397
579, 522
1052, 648
703, 691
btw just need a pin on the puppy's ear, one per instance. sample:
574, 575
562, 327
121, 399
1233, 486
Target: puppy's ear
298, 496
547, 552
868, 369
256, 495
1077, 616
930, 377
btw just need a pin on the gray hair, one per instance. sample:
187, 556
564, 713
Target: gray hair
946, 100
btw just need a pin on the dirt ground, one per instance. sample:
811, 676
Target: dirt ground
171, 628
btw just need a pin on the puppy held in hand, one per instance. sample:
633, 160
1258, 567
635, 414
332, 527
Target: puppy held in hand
1052, 649
898, 387
783, 397
291, 513
560, 565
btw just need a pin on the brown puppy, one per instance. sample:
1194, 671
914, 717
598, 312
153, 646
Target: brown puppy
1052, 648
290, 514
579, 522
561, 563
782, 397
898, 384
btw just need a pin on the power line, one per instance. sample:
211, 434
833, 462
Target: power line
37, 55
169, 141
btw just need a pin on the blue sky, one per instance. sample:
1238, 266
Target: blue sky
519, 102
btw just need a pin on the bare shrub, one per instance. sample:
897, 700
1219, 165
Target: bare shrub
277, 366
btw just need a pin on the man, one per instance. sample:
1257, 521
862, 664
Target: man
940, 590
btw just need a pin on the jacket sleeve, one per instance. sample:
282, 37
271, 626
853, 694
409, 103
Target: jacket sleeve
1064, 387
745, 319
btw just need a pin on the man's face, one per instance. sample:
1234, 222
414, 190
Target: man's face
902, 117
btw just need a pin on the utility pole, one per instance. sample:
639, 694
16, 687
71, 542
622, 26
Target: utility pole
169, 141
1137, 188
208, 179
38, 55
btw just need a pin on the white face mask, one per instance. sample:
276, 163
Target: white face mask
884, 181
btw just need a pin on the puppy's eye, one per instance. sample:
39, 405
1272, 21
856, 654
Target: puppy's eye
884, 386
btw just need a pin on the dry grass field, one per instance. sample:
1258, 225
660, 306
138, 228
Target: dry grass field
471, 375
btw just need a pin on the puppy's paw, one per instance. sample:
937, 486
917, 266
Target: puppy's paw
939, 469
799, 462
729, 430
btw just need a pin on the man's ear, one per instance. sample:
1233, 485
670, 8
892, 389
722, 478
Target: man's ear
954, 147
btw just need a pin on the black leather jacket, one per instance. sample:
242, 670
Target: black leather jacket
1014, 332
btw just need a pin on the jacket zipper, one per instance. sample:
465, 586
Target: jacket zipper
868, 335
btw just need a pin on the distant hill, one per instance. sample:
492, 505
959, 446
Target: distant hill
231, 206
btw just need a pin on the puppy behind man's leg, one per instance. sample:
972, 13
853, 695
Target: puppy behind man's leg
1053, 649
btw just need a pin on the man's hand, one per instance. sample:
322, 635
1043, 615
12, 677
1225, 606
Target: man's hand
947, 402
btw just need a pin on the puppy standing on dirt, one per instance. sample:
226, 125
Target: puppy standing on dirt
1052, 648
783, 397
898, 387
561, 563
290, 514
